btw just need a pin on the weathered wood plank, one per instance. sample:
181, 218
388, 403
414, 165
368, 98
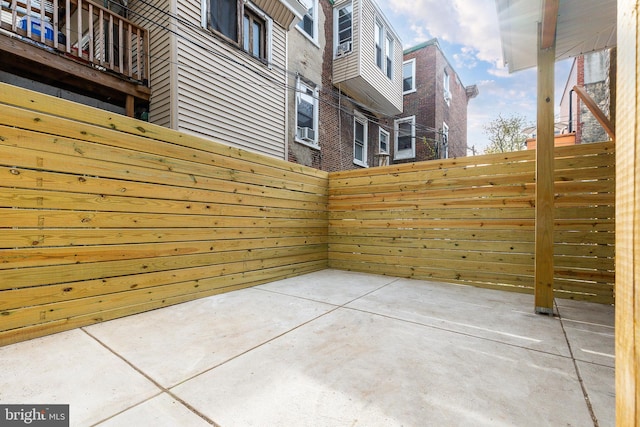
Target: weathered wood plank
35, 257
18, 278
52, 144
22, 297
39, 114
24, 238
232, 282
32, 218
38, 199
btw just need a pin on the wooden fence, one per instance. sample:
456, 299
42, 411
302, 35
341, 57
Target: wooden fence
471, 221
102, 216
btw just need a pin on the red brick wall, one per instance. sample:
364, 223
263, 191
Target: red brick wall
430, 108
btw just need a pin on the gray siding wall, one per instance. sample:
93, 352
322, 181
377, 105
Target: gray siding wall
347, 66
161, 43
224, 94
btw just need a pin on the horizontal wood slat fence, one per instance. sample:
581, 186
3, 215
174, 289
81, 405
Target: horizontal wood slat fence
102, 216
471, 221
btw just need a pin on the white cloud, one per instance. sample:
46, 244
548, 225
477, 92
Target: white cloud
471, 23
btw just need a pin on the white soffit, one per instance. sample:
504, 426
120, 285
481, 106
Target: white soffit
583, 26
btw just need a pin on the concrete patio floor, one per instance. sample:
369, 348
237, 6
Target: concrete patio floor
330, 348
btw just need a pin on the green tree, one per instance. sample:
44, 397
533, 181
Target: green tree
505, 134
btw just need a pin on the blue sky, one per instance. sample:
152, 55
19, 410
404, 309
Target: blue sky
467, 31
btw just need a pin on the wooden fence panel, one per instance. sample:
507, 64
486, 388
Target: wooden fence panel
103, 216
471, 221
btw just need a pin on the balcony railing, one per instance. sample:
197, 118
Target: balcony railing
81, 30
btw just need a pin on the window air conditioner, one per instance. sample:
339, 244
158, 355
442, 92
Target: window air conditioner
306, 134
447, 96
343, 48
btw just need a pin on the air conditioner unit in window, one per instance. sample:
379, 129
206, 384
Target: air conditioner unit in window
306, 134
447, 96
343, 48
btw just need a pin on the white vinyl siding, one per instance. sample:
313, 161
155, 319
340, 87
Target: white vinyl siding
348, 65
162, 49
218, 98
390, 88
357, 72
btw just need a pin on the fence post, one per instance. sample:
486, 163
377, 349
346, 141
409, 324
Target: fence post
543, 288
627, 215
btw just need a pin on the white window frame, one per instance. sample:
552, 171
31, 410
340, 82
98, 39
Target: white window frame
387, 136
378, 40
445, 141
336, 30
268, 22
385, 41
446, 80
360, 119
314, 17
301, 87
405, 153
389, 63
411, 62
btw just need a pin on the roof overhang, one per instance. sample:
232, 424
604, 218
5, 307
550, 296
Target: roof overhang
287, 13
582, 26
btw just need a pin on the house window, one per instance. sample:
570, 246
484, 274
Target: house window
445, 141
306, 114
405, 136
343, 22
223, 17
409, 76
379, 35
309, 24
360, 141
447, 92
384, 141
389, 52
254, 33
383, 48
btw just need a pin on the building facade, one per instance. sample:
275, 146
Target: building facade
218, 70
345, 63
595, 72
433, 124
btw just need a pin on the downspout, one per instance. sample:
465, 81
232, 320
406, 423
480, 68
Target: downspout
571, 111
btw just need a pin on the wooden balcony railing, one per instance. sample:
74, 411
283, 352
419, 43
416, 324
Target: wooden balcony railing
83, 31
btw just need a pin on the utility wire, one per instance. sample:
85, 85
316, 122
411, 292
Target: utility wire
152, 15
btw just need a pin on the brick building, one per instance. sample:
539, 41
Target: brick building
433, 123
345, 63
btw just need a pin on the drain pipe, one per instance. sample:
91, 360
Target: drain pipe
571, 111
